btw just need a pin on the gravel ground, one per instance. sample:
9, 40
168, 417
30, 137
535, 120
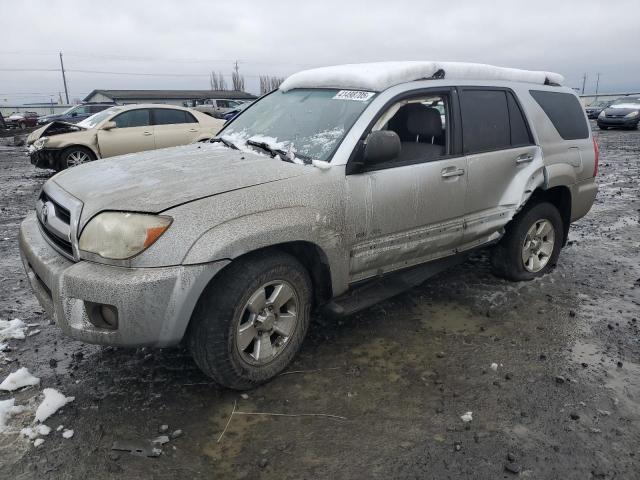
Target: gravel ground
564, 401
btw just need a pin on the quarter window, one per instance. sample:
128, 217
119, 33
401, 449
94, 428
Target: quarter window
564, 111
169, 116
132, 118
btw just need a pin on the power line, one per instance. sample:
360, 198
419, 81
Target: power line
105, 72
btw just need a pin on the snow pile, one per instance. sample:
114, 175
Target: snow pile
379, 76
38, 442
467, 417
12, 329
7, 409
53, 401
18, 379
67, 434
494, 367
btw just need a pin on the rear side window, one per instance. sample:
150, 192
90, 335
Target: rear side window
132, 118
168, 116
564, 111
520, 133
485, 120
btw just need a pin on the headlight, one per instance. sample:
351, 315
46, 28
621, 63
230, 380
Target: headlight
631, 114
40, 143
602, 114
120, 235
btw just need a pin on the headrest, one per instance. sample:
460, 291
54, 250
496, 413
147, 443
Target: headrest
425, 121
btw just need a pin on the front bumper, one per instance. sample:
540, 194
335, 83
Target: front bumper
44, 158
618, 121
154, 305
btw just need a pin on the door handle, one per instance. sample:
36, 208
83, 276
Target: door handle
524, 158
193, 129
146, 134
446, 173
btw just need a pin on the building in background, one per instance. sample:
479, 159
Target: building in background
185, 98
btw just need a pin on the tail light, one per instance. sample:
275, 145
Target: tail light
596, 150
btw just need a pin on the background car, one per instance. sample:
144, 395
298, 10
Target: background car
217, 107
594, 109
76, 113
231, 114
116, 131
623, 113
21, 120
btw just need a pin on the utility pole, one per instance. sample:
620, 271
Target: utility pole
597, 86
584, 80
64, 79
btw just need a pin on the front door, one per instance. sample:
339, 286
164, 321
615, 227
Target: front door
411, 209
133, 133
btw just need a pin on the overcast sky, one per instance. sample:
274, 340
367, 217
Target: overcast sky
191, 38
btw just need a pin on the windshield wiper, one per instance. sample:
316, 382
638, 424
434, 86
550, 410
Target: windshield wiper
225, 142
284, 155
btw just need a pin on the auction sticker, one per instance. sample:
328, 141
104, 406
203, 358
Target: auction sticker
355, 95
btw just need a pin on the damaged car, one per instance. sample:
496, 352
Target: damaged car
117, 131
344, 186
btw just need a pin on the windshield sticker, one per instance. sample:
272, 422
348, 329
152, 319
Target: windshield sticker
355, 95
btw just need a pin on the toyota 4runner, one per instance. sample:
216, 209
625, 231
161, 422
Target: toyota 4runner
314, 196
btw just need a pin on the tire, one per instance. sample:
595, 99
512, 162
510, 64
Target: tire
23, 125
507, 257
602, 127
77, 152
214, 337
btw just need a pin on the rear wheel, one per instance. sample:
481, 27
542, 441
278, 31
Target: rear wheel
531, 245
602, 127
250, 323
74, 156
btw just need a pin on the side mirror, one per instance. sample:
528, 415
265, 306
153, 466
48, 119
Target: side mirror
109, 125
382, 146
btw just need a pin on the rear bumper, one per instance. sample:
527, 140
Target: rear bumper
154, 305
583, 194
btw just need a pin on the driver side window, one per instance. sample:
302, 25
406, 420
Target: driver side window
421, 125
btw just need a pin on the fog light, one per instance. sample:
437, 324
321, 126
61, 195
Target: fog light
109, 315
102, 315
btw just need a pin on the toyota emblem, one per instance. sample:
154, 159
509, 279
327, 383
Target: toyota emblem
45, 212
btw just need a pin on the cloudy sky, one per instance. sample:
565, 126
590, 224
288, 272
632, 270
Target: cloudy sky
160, 44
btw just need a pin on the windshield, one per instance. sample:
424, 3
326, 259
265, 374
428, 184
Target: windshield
95, 119
308, 122
71, 109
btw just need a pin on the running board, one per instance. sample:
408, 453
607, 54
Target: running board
370, 292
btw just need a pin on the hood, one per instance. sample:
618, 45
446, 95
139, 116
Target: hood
157, 180
53, 128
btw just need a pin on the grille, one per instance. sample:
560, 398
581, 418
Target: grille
57, 214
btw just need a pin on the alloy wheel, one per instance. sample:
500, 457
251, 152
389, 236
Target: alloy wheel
538, 244
267, 322
77, 157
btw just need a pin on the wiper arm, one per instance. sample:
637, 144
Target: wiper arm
284, 155
224, 141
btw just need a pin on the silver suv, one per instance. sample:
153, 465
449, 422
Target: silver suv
342, 186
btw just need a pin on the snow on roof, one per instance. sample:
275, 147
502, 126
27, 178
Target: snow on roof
379, 76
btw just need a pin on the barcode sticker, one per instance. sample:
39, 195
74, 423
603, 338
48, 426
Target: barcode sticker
355, 95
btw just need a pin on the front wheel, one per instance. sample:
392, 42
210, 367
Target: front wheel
74, 156
531, 245
251, 321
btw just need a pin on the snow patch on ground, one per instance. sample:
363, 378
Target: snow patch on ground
18, 379
12, 329
53, 401
7, 409
38, 442
467, 417
67, 434
379, 76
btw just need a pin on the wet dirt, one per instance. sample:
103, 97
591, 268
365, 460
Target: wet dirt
401, 373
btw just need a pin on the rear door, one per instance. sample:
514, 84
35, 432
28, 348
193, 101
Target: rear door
133, 133
502, 159
173, 127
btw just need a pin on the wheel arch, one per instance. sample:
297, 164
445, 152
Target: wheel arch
559, 197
